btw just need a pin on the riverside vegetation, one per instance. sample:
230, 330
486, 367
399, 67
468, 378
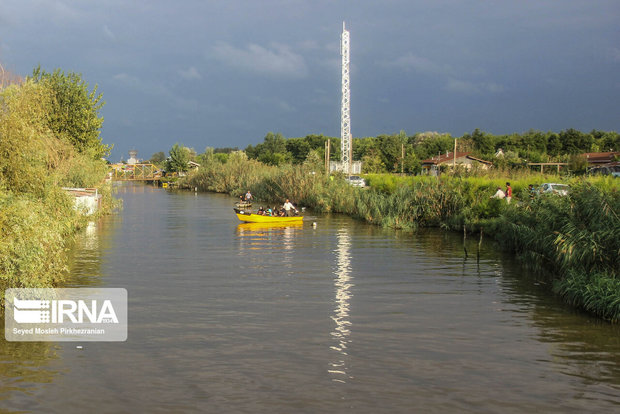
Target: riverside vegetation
49, 139
574, 240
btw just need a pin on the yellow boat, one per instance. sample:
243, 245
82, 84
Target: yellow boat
257, 228
248, 217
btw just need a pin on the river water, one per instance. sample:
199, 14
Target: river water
341, 317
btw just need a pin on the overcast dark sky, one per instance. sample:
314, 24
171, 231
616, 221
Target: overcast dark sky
224, 73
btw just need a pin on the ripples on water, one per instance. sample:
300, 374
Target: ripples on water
227, 317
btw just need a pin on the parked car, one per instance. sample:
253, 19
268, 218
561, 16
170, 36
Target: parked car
554, 188
612, 169
356, 181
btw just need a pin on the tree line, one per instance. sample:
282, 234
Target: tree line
384, 153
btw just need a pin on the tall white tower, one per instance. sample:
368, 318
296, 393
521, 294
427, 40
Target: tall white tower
345, 109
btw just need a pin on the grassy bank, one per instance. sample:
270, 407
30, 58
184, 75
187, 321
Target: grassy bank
574, 239
37, 217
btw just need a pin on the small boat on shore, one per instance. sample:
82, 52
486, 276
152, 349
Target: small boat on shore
248, 217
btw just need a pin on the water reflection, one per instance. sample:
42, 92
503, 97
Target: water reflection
343, 285
24, 366
257, 236
87, 252
579, 345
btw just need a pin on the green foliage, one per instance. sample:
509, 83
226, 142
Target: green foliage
158, 158
272, 151
179, 157
315, 161
597, 293
372, 163
578, 237
298, 148
74, 111
390, 147
578, 164
412, 164
574, 142
32, 237
24, 137
36, 215
384, 153
428, 145
483, 143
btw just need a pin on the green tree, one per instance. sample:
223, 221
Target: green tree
554, 144
607, 141
299, 148
74, 113
535, 141
391, 151
574, 142
483, 142
372, 162
158, 158
271, 151
429, 145
207, 157
24, 137
578, 164
363, 146
179, 156
412, 164
314, 161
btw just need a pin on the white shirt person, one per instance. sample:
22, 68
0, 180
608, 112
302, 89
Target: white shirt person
288, 206
499, 193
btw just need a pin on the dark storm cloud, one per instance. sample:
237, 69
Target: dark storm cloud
214, 73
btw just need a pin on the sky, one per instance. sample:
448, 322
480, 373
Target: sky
211, 73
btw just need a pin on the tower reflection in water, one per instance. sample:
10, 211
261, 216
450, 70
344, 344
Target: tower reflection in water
341, 333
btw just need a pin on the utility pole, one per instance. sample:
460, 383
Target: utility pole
327, 154
454, 158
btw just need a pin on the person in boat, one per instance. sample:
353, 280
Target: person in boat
248, 197
261, 211
289, 208
268, 212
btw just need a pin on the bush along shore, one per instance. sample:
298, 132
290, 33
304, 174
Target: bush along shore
574, 240
49, 139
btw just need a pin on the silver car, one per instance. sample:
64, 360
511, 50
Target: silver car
356, 181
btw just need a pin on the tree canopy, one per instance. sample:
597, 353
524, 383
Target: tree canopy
74, 113
179, 156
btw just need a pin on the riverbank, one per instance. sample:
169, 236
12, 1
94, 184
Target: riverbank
574, 241
38, 157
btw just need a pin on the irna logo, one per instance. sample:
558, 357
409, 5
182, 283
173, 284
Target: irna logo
63, 311
65, 314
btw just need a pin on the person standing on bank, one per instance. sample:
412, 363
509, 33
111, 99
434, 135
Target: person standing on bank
288, 206
508, 193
